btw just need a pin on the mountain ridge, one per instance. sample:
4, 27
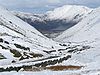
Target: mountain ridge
54, 21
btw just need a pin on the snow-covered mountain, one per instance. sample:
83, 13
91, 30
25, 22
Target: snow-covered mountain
30, 16
85, 32
53, 22
68, 12
22, 46
19, 40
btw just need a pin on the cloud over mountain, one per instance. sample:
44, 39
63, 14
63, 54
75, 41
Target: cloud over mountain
44, 5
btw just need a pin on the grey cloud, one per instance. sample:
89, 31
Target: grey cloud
45, 4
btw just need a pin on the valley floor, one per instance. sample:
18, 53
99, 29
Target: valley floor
47, 72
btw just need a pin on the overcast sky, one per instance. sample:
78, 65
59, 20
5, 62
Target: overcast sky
41, 6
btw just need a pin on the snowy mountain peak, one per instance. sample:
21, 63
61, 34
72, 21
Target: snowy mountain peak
86, 30
67, 11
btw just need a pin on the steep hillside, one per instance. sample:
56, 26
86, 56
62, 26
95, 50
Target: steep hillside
19, 40
85, 32
56, 21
